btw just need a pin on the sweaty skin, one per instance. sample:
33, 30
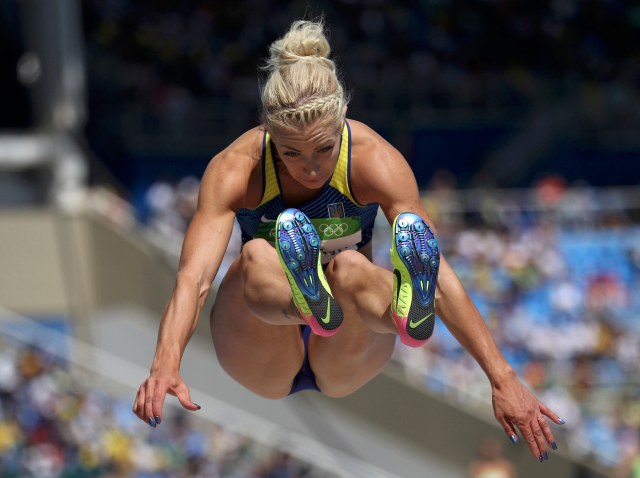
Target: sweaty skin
254, 305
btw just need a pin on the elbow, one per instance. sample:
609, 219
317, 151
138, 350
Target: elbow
194, 283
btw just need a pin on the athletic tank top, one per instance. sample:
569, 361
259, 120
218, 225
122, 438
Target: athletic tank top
341, 221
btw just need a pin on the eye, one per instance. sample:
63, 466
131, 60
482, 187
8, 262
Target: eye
291, 154
325, 149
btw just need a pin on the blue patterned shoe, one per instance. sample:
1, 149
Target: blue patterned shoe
415, 256
298, 246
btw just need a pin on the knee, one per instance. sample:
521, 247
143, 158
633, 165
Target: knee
254, 261
340, 272
255, 252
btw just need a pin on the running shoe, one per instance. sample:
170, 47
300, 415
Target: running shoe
298, 246
415, 256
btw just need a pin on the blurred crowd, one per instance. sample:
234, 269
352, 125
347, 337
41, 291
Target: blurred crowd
554, 271
185, 74
556, 285
54, 424
165, 55
490, 462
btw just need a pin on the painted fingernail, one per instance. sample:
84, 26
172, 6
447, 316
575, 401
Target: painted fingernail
546, 455
514, 439
152, 423
540, 458
199, 407
158, 420
561, 421
553, 445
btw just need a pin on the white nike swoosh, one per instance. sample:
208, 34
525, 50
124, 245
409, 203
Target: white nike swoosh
264, 219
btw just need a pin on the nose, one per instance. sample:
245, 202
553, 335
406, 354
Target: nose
312, 168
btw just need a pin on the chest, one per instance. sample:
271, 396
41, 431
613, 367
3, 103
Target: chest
294, 194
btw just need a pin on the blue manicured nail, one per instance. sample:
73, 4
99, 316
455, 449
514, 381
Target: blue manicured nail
561, 421
546, 455
513, 439
158, 420
152, 423
540, 458
553, 445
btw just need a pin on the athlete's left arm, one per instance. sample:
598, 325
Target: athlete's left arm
385, 177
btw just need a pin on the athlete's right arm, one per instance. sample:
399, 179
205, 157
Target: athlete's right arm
223, 189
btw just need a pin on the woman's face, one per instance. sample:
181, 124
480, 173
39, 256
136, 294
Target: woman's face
309, 154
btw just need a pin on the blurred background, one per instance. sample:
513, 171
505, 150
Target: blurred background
521, 121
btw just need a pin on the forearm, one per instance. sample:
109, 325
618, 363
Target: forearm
458, 312
179, 322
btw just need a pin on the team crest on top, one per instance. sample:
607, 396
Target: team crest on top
336, 209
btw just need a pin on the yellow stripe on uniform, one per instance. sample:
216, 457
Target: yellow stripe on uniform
340, 179
271, 188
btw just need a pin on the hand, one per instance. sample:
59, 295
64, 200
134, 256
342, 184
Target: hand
515, 406
150, 396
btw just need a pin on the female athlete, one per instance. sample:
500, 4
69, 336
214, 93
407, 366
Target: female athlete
303, 306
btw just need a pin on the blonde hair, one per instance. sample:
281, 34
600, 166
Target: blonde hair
302, 86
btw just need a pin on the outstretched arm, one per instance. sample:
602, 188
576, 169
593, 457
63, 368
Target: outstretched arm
198, 266
514, 406
388, 180
223, 188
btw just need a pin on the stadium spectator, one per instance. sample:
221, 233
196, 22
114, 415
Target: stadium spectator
490, 462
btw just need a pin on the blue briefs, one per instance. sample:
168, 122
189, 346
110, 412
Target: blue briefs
304, 379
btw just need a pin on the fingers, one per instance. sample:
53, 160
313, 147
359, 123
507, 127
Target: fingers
548, 412
537, 435
138, 404
509, 429
154, 410
546, 431
530, 438
147, 413
183, 395
533, 434
517, 409
540, 448
149, 399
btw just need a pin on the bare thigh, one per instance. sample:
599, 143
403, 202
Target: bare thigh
347, 361
261, 356
256, 333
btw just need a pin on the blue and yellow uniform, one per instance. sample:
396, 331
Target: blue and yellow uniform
341, 221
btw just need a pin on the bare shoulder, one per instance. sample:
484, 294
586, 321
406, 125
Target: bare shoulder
233, 175
364, 139
375, 163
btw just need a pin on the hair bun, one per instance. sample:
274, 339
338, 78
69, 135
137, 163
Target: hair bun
302, 84
305, 41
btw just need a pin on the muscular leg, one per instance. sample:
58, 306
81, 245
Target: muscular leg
345, 362
254, 296
254, 301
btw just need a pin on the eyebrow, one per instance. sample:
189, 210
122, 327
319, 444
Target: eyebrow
320, 147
